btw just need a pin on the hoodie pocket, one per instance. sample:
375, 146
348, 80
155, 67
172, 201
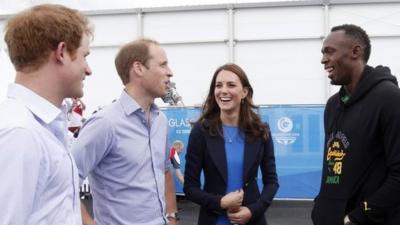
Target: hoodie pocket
328, 211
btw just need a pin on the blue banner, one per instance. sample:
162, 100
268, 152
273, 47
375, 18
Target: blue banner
179, 125
298, 137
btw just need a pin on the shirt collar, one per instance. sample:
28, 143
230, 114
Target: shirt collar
130, 106
39, 106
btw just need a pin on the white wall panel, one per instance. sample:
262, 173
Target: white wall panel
386, 51
376, 19
186, 25
278, 22
7, 72
2, 26
114, 29
104, 84
281, 71
284, 72
193, 67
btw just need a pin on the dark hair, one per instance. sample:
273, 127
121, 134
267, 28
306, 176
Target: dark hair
33, 33
250, 123
359, 35
131, 52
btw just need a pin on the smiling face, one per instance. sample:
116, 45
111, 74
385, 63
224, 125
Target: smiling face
156, 72
337, 57
229, 92
78, 69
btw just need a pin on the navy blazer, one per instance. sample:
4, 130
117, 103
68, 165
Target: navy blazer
207, 153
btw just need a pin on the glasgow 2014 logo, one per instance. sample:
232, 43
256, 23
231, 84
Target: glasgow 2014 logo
285, 136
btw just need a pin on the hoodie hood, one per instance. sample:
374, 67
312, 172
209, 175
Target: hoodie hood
369, 79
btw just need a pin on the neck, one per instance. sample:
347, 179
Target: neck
140, 96
357, 74
229, 118
43, 83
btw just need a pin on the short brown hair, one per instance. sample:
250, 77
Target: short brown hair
136, 51
33, 33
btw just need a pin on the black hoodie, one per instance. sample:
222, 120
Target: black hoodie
361, 164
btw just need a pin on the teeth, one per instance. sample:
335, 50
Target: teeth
329, 69
225, 99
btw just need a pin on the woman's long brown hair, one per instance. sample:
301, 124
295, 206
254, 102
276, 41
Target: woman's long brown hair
250, 123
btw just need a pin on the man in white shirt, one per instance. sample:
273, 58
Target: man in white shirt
47, 45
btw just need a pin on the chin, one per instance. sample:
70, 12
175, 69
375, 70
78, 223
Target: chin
225, 108
336, 82
78, 94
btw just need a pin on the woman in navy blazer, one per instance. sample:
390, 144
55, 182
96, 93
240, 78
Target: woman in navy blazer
229, 143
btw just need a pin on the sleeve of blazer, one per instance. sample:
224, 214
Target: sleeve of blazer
194, 162
269, 178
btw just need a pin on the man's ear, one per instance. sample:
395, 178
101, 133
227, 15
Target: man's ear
137, 68
60, 52
357, 52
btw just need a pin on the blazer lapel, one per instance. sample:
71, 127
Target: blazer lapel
250, 156
216, 148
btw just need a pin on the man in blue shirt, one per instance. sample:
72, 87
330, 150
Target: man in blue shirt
122, 148
47, 45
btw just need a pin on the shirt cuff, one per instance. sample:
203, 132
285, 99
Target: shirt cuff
358, 216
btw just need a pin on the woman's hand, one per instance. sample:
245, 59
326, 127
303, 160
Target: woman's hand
242, 216
232, 200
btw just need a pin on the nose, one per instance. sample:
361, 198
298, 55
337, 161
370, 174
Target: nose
224, 88
324, 59
88, 71
169, 72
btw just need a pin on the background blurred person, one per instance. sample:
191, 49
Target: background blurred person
174, 152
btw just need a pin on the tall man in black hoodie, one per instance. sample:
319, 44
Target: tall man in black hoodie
361, 163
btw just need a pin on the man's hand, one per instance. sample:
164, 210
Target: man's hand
173, 222
86, 218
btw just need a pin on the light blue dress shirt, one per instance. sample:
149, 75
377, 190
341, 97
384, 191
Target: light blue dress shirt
125, 160
39, 179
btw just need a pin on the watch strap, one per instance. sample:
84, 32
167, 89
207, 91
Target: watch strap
172, 215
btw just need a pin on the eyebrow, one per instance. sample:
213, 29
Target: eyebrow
229, 81
326, 48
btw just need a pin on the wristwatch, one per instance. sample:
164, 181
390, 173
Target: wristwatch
347, 221
173, 216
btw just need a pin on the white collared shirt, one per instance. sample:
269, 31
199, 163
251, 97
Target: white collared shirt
39, 178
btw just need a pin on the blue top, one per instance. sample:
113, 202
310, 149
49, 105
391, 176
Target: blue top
39, 179
126, 160
234, 152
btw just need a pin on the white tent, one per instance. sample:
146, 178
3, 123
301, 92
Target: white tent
276, 42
